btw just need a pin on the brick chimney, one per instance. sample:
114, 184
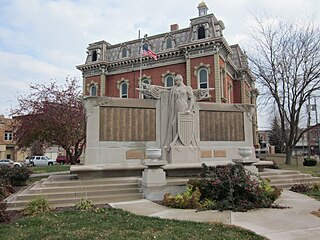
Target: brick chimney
174, 27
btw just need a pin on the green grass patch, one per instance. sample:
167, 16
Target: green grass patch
116, 224
314, 171
314, 194
50, 169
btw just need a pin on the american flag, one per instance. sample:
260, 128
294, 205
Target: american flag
147, 52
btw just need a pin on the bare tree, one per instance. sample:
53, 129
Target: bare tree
285, 58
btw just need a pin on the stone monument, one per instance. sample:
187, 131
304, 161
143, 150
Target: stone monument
179, 128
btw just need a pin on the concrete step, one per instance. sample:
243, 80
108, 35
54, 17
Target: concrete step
285, 176
296, 180
274, 172
54, 189
289, 185
84, 194
88, 182
20, 204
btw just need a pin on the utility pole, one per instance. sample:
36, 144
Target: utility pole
318, 135
309, 117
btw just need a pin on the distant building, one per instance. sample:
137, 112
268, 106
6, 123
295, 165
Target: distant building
200, 53
7, 150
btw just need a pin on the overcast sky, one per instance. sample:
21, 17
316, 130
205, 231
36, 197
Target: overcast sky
45, 39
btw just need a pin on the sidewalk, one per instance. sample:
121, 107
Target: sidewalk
296, 223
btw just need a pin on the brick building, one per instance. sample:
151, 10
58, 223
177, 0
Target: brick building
6, 138
200, 53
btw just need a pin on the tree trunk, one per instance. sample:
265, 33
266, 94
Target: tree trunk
288, 155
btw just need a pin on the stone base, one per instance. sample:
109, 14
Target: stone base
246, 161
248, 164
182, 155
104, 170
154, 163
153, 177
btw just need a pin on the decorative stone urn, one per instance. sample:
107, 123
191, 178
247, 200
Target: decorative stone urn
245, 152
153, 153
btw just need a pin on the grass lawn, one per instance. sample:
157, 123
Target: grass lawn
115, 224
49, 169
314, 194
314, 171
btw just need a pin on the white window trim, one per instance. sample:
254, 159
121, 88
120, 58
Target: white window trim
8, 136
90, 90
166, 78
198, 77
121, 94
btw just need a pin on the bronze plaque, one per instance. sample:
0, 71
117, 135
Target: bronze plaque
134, 154
206, 154
220, 153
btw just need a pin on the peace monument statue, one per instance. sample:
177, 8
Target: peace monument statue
178, 103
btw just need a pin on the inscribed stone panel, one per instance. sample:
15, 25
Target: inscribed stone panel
221, 126
127, 124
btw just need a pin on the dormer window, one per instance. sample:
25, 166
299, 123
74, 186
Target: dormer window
169, 42
201, 32
94, 56
124, 52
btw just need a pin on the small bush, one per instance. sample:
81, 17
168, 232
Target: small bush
84, 205
37, 206
309, 162
190, 199
14, 176
3, 214
225, 188
300, 188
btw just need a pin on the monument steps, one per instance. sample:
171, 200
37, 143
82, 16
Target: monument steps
65, 202
287, 178
83, 188
63, 193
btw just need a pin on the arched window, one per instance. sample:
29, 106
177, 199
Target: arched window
168, 81
144, 81
124, 52
124, 90
201, 32
203, 78
169, 42
94, 56
93, 90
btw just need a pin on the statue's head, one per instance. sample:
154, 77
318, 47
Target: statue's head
178, 79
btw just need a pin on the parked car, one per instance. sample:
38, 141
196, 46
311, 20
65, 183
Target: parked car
63, 160
40, 161
9, 162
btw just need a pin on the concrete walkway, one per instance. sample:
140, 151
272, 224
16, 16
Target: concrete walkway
296, 223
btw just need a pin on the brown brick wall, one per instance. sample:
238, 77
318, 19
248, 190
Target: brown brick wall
155, 74
205, 60
95, 79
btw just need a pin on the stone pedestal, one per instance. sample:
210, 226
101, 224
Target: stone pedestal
154, 174
248, 164
182, 155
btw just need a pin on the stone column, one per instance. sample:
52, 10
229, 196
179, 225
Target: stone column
83, 84
217, 81
188, 69
103, 82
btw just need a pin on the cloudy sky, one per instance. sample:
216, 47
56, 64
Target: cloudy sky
42, 40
